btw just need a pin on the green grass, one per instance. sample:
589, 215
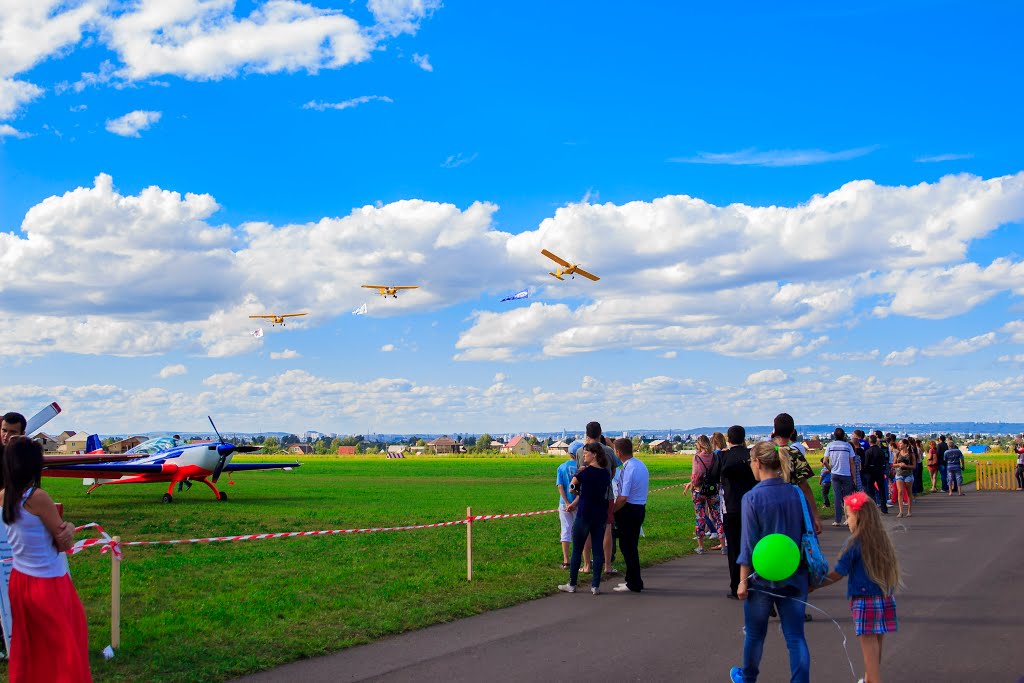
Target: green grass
215, 611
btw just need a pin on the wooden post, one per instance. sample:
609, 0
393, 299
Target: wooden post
115, 597
469, 544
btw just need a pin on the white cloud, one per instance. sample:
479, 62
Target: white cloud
943, 157
401, 16
904, 357
456, 160
287, 354
775, 376
852, 355
14, 94
952, 346
387, 348
775, 158
423, 62
347, 104
207, 41
132, 123
171, 371
1015, 329
8, 131
1018, 358
670, 354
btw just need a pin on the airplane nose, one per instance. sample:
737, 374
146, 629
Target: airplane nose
225, 449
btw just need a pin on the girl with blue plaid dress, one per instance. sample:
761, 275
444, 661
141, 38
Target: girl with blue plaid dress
869, 560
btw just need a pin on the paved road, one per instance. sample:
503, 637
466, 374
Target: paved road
961, 619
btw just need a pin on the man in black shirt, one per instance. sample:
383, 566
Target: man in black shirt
731, 468
941, 449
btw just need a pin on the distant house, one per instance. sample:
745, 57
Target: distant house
300, 449
64, 436
397, 450
496, 445
559, 448
519, 445
124, 445
346, 450
444, 444
74, 443
660, 446
814, 445
418, 450
48, 443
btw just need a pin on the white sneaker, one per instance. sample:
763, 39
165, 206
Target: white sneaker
621, 588
595, 590
713, 536
567, 588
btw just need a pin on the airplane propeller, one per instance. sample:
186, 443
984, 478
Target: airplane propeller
224, 450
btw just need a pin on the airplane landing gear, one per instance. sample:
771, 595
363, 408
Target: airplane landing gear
168, 498
223, 496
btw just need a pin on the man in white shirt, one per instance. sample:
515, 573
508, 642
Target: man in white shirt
630, 509
840, 457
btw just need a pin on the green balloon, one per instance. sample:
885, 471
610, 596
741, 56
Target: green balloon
776, 557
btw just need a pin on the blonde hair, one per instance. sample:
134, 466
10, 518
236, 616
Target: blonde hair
718, 441
703, 444
772, 458
876, 548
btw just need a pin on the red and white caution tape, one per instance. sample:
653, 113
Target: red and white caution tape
666, 488
104, 540
484, 518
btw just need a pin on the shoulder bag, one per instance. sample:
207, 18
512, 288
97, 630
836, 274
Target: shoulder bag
817, 565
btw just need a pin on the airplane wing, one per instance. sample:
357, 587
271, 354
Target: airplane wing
261, 316
375, 286
407, 287
85, 458
107, 470
291, 315
589, 276
556, 259
250, 466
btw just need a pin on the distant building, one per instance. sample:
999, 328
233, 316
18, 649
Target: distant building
814, 445
49, 443
978, 448
346, 450
397, 450
300, 449
73, 444
559, 448
444, 444
519, 445
124, 445
660, 446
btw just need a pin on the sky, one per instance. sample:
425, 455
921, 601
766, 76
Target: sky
791, 208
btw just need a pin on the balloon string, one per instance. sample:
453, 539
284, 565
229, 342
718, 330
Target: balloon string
841, 632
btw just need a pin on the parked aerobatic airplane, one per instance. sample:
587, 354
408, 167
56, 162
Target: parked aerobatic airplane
276, 319
165, 459
386, 291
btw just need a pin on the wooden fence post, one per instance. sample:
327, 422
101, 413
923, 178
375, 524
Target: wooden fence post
469, 544
115, 595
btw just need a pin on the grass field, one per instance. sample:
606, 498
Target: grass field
215, 611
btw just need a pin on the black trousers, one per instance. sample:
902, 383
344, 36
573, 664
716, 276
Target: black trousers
918, 487
732, 525
628, 521
875, 481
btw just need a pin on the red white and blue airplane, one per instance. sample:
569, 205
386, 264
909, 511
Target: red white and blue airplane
165, 459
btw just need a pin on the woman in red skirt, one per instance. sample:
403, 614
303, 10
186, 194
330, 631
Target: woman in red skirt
49, 642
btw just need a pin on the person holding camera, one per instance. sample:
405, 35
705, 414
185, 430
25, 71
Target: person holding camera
590, 484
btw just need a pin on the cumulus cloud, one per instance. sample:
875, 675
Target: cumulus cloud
287, 354
8, 131
132, 123
423, 62
851, 355
171, 371
767, 377
346, 104
387, 348
14, 94
938, 158
904, 357
952, 346
775, 158
401, 16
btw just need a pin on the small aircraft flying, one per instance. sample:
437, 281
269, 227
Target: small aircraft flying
387, 291
566, 268
164, 459
278, 319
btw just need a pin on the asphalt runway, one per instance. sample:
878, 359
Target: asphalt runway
961, 618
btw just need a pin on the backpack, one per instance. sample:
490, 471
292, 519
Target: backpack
705, 487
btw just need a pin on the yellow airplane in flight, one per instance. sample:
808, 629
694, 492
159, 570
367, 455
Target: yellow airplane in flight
386, 291
278, 319
565, 268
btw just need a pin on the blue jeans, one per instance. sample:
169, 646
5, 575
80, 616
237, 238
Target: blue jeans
581, 528
842, 486
943, 474
791, 613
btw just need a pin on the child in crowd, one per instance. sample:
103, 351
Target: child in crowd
826, 482
49, 642
869, 560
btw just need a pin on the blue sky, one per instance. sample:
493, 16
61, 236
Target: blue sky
801, 208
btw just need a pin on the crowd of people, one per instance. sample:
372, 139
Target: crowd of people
741, 495
49, 641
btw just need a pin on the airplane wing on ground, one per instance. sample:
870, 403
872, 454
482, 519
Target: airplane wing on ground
107, 470
251, 466
557, 259
79, 459
589, 276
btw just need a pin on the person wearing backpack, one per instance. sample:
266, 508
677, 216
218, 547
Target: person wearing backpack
705, 494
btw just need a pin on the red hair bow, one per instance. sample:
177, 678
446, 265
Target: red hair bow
855, 501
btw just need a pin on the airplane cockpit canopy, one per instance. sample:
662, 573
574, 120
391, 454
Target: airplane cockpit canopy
160, 443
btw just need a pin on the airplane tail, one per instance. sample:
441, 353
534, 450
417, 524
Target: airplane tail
556, 276
93, 444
